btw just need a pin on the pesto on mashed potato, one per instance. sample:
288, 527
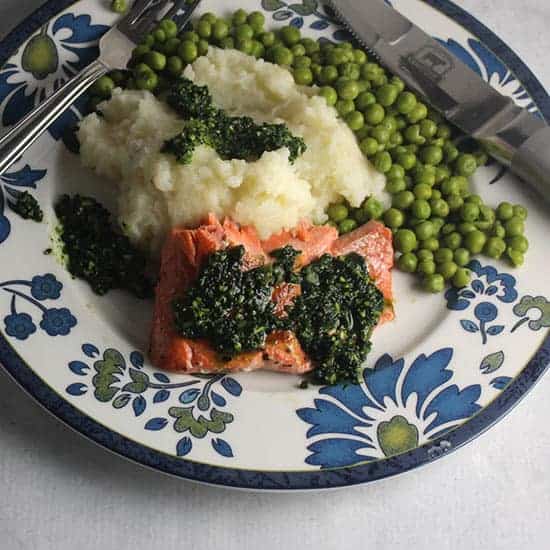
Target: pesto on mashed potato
156, 193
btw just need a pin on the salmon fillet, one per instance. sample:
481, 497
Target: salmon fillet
184, 254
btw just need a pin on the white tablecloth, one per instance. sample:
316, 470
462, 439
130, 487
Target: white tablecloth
60, 492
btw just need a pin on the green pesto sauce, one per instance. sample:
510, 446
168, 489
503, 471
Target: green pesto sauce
95, 251
333, 318
27, 207
231, 137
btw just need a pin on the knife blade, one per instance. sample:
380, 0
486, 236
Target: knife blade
511, 134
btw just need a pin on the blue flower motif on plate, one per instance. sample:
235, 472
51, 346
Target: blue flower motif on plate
62, 47
54, 322
201, 416
19, 325
396, 409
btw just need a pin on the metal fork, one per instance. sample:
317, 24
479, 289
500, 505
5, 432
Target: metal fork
115, 51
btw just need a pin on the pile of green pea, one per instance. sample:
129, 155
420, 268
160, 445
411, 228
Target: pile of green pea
438, 225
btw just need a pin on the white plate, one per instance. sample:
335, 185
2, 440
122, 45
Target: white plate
446, 369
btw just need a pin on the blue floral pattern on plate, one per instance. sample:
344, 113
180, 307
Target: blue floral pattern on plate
201, 412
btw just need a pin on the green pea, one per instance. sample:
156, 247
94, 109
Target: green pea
204, 29
188, 51
465, 165
498, 230
428, 128
316, 70
227, 43
406, 160
431, 244
268, 39
239, 17
159, 36
424, 175
282, 56
424, 230
443, 255
420, 209
394, 218
450, 186
220, 30
171, 46
298, 50
407, 262
360, 216
344, 107
146, 80
258, 49
398, 172
426, 267
474, 241
516, 257
519, 243
355, 120
422, 191
364, 86
330, 95
412, 135
103, 87
451, 152
350, 71
395, 185
439, 208
461, 257
347, 89
373, 208
380, 134
495, 247
469, 212
444, 131
290, 35
419, 113
119, 6
424, 255
520, 212
301, 62
453, 240
505, 211
347, 226
448, 228
514, 227
369, 146
256, 20
406, 102
155, 60
431, 155
454, 202
387, 95
337, 212
436, 194
396, 139
382, 161
461, 277
311, 46
375, 114
245, 45
447, 269
403, 200
304, 77
364, 100
405, 240
174, 65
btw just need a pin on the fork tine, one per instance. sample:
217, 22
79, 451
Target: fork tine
172, 13
138, 9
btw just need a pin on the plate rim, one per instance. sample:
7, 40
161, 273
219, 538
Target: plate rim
191, 470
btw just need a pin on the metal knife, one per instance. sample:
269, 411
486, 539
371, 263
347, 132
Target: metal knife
512, 135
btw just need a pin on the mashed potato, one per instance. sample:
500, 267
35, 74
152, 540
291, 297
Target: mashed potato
156, 193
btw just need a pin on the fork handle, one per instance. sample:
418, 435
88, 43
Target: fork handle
19, 138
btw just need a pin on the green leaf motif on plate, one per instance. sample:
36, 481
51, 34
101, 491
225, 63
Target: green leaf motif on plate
307, 7
397, 436
199, 427
272, 5
108, 371
492, 362
139, 384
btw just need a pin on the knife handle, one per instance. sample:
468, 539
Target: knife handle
532, 162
